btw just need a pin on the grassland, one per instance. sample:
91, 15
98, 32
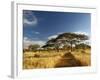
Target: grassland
54, 59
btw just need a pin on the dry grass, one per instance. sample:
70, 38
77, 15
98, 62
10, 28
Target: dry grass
54, 59
84, 57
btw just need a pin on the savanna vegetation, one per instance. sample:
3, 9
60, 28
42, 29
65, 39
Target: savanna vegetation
66, 50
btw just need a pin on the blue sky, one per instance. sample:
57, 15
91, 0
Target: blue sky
39, 26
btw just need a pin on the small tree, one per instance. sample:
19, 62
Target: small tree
33, 47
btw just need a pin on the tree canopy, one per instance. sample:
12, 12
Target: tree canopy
69, 38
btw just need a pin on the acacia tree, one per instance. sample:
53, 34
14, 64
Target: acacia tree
33, 47
66, 38
52, 43
72, 38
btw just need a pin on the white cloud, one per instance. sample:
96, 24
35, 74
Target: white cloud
35, 32
33, 22
26, 38
29, 18
28, 42
80, 32
60, 33
52, 37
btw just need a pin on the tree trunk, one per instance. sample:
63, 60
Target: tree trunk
71, 46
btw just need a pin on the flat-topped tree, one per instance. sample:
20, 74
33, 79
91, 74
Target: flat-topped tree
72, 38
49, 43
53, 42
65, 39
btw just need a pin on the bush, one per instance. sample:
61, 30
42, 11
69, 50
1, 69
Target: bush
36, 55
